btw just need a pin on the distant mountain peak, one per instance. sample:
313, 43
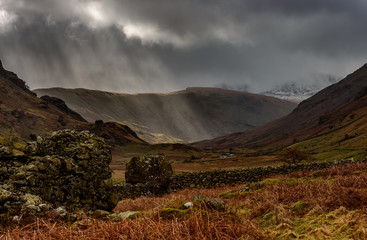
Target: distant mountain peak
298, 92
309, 119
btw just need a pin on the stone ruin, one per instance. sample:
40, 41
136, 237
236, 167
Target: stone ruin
69, 169
153, 172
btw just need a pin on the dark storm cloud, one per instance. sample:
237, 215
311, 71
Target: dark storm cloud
165, 45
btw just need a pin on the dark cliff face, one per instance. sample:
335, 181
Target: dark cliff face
60, 104
2, 70
23, 113
14, 79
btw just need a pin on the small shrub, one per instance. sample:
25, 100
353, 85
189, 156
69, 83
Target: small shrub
294, 155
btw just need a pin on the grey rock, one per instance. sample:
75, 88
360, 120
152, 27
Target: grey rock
61, 212
100, 213
215, 203
188, 205
198, 198
124, 215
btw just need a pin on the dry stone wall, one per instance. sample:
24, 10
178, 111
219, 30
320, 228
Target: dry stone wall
211, 179
69, 169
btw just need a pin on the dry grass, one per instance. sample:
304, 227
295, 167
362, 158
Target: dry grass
197, 226
326, 204
303, 206
339, 186
148, 203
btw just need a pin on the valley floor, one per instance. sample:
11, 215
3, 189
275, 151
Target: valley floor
323, 204
188, 159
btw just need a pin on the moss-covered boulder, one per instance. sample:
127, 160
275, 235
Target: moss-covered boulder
170, 213
153, 171
215, 203
209, 203
5, 152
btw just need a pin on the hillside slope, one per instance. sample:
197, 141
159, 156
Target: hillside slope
191, 115
341, 134
23, 114
304, 122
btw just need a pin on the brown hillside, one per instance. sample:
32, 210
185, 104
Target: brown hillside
192, 114
304, 122
22, 114
341, 134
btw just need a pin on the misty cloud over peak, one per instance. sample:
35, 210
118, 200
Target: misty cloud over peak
167, 45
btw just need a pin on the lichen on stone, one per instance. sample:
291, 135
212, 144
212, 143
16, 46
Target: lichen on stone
68, 170
152, 171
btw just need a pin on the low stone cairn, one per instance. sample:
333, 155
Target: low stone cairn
68, 171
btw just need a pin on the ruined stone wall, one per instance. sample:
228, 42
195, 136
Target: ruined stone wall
211, 179
69, 169
125, 191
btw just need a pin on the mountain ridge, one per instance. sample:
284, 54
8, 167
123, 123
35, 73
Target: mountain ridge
190, 114
302, 122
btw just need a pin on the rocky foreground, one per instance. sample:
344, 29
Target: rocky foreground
67, 171
309, 204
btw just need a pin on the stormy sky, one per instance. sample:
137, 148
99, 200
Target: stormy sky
166, 45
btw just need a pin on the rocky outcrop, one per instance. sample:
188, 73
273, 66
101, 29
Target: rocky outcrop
2, 70
69, 169
113, 133
60, 104
153, 171
14, 79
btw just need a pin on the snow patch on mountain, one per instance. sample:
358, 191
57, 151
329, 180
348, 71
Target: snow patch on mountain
297, 92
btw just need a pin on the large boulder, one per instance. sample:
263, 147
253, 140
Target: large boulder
153, 171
